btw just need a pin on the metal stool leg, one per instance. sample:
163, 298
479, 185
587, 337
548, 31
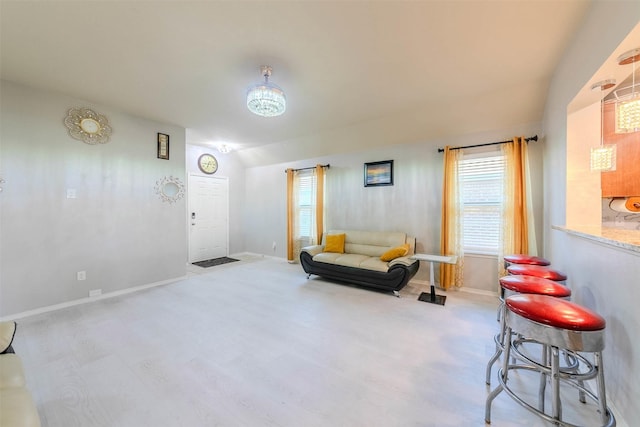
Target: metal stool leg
602, 396
504, 372
499, 340
544, 360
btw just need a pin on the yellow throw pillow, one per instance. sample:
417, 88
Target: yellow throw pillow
394, 253
334, 243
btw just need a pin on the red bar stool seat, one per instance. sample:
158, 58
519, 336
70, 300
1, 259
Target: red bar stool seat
534, 285
537, 271
522, 285
559, 325
525, 259
555, 313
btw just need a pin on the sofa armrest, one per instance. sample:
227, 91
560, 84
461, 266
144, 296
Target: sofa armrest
403, 260
7, 333
313, 250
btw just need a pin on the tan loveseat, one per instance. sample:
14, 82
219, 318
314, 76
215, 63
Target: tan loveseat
360, 262
17, 408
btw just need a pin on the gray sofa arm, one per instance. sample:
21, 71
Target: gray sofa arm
313, 250
403, 260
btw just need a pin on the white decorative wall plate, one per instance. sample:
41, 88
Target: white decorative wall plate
170, 189
87, 126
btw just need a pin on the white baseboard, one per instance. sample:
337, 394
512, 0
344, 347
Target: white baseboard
479, 292
425, 284
257, 255
88, 299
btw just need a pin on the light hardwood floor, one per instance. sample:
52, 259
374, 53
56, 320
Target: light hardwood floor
254, 343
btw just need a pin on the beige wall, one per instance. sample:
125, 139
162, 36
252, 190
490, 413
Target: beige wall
117, 229
411, 205
583, 201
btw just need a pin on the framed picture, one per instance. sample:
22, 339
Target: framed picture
163, 146
378, 173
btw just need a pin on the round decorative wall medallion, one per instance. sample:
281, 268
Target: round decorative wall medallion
170, 189
87, 126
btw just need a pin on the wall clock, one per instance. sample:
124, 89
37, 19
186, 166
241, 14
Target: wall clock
87, 126
208, 164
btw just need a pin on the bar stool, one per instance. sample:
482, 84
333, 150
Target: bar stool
522, 285
537, 271
560, 325
524, 259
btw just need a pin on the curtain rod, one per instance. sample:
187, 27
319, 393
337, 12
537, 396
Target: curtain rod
531, 138
328, 166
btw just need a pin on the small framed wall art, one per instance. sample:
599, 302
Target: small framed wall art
378, 173
163, 146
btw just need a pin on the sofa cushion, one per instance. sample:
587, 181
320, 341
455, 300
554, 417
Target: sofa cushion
374, 263
17, 408
7, 332
394, 253
334, 243
328, 257
371, 243
352, 260
11, 372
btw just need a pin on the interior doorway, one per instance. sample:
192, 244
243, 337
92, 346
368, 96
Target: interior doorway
208, 217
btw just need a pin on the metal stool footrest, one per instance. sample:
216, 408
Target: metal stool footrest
503, 386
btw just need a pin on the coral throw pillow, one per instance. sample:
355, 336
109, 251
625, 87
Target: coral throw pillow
394, 253
334, 243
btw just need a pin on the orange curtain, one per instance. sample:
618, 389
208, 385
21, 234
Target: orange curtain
451, 226
290, 214
516, 206
319, 203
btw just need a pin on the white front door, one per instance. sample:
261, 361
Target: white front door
208, 217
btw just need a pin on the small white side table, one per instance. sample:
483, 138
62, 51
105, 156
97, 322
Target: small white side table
432, 297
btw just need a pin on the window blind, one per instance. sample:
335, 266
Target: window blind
482, 187
306, 203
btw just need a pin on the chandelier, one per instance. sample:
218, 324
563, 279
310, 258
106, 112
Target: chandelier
603, 157
266, 99
628, 105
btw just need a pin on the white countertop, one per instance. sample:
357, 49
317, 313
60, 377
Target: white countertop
617, 237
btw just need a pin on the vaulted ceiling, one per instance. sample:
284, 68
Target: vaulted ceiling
340, 63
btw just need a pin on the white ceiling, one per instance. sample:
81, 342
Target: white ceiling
340, 63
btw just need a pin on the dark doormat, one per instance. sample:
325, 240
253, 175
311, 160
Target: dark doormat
214, 261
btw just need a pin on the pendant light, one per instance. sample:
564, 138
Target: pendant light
628, 105
603, 157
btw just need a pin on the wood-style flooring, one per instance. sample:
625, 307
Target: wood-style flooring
255, 343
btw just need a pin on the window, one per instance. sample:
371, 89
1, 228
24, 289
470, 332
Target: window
481, 190
306, 199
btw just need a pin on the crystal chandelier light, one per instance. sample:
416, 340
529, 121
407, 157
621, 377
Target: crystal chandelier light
603, 157
628, 106
266, 99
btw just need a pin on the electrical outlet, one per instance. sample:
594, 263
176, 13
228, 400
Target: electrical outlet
95, 293
81, 275
274, 246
